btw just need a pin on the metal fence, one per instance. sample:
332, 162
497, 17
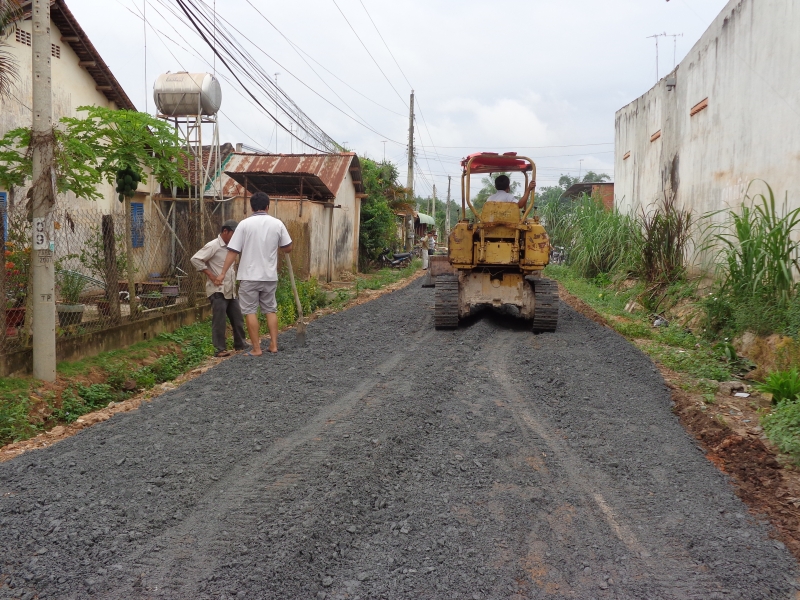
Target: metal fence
93, 252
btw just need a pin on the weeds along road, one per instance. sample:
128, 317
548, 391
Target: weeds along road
390, 460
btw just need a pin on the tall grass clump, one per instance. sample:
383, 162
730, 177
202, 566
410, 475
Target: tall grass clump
557, 216
666, 237
603, 241
757, 263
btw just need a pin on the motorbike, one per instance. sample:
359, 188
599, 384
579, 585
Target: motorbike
395, 260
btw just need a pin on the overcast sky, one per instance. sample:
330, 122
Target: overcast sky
543, 77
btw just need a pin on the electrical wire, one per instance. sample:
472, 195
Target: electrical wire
301, 51
370, 54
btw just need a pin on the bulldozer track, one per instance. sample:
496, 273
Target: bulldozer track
545, 314
446, 306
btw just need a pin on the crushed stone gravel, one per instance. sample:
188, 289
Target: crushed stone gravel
389, 460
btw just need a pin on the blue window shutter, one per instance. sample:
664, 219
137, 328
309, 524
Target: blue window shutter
137, 224
4, 212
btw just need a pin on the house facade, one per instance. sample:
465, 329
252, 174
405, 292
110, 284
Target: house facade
317, 196
725, 116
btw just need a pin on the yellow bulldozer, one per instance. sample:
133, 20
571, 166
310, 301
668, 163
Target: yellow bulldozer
497, 256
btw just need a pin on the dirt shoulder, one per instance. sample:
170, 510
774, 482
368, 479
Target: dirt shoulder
728, 430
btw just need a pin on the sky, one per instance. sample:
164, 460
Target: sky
540, 77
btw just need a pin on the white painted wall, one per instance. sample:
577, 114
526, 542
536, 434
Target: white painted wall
748, 66
73, 86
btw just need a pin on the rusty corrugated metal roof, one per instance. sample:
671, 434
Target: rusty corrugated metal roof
329, 169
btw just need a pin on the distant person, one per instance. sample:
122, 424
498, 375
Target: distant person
503, 193
431, 243
257, 239
424, 241
210, 260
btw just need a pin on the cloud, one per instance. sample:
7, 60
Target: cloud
504, 122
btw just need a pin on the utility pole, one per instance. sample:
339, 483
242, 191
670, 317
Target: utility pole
433, 206
42, 268
580, 169
384, 149
410, 178
447, 212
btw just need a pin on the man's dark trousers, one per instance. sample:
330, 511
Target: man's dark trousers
220, 308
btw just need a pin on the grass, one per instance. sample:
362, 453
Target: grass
782, 427
28, 406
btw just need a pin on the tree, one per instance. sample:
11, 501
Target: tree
385, 197
10, 12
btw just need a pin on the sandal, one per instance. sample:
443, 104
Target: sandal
222, 354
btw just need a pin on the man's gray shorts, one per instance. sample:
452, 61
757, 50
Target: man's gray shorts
253, 294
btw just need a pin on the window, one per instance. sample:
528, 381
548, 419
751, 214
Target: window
137, 224
23, 37
55, 50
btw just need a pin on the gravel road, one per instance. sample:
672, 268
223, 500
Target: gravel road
390, 460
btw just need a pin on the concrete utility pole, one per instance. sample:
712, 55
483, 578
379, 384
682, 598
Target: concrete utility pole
447, 211
433, 206
43, 246
410, 178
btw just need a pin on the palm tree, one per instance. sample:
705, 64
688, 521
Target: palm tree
10, 13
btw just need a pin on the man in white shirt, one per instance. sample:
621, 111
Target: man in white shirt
210, 260
503, 194
257, 240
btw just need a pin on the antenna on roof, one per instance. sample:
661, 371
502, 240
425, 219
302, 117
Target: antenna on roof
655, 37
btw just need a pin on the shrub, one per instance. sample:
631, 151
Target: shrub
666, 235
783, 385
782, 427
758, 261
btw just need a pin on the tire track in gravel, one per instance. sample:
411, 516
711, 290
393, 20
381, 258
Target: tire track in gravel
243, 487
660, 570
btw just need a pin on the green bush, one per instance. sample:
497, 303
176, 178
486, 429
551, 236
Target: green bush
783, 385
782, 427
666, 235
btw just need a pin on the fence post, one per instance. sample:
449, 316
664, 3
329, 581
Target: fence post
134, 304
111, 275
3, 298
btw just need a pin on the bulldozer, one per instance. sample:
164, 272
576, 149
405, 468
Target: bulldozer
497, 256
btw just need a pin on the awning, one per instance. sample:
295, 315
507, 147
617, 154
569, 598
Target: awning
283, 185
426, 219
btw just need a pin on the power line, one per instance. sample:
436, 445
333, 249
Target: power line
300, 50
370, 54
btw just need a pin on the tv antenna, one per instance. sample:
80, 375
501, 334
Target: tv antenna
674, 37
655, 37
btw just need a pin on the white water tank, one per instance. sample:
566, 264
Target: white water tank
187, 94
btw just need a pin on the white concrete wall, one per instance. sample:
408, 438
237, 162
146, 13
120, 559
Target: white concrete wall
748, 66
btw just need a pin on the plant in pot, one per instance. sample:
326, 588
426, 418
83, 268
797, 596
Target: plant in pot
70, 286
152, 300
